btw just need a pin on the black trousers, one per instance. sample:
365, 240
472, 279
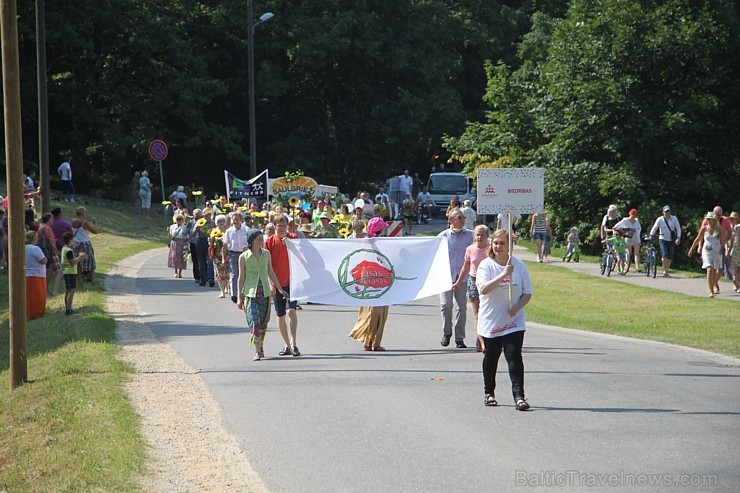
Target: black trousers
511, 344
194, 257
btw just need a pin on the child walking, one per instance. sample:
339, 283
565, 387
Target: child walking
69, 269
573, 242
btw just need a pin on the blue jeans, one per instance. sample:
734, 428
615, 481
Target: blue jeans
667, 249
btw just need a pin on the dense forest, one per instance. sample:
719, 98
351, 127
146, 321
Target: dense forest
633, 102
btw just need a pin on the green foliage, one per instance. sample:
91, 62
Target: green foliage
622, 102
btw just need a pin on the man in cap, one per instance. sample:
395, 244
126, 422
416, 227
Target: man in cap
670, 237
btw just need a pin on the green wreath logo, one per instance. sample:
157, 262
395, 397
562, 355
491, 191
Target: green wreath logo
367, 274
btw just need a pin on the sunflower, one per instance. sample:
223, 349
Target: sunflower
243, 208
200, 222
219, 236
197, 192
294, 201
344, 232
215, 232
166, 202
229, 205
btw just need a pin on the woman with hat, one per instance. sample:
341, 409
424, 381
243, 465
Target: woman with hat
631, 229
371, 319
253, 286
708, 241
325, 229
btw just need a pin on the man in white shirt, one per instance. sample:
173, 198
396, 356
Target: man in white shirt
425, 199
65, 173
470, 215
379, 196
405, 183
670, 237
235, 242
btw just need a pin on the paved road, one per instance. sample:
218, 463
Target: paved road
412, 419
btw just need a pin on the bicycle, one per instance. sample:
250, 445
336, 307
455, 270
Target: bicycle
608, 261
650, 258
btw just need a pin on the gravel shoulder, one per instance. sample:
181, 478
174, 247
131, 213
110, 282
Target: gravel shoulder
188, 448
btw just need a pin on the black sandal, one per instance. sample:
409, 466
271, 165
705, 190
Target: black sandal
490, 401
521, 404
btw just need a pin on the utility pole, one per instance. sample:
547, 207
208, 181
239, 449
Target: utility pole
43, 106
14, 166
250, 79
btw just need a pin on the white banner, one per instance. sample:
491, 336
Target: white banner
368, 271
511, 190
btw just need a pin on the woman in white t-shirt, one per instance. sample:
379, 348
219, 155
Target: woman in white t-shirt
35, 277
502, 327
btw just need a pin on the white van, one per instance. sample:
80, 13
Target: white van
444, 186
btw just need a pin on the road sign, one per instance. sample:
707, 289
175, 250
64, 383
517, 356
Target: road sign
158, 150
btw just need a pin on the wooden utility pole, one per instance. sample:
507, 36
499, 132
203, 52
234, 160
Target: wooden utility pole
43, 106
14, 166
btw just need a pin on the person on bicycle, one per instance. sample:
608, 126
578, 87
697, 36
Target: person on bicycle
670, 237
631, 229
573, 241
425, 199
619, 245
608, 222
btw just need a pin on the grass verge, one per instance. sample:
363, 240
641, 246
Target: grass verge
570, 299
71, 427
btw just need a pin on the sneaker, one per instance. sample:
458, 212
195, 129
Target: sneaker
285, 352
295, 351
233, 299
460, 345
445, 340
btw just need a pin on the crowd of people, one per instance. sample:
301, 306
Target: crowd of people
240, 246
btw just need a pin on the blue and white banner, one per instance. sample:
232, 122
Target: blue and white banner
368, 271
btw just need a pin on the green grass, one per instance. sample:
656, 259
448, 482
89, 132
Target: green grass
581, 301
71, 427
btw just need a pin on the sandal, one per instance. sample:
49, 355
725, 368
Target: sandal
378, 348
490, 401
257, 357
367, 347
521, 404
711, 294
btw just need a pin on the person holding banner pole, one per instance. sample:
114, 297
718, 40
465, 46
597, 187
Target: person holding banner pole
505, 289
458, 239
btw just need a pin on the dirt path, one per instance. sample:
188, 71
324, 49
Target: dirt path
188, 449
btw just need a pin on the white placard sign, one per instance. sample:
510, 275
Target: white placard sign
511, 190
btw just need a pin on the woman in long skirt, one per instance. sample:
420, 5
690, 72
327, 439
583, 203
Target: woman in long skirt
253, 286
179, 237
371, 319
369, 327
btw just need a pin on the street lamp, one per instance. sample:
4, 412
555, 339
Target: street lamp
250, 62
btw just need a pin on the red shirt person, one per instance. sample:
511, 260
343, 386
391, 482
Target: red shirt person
280, 264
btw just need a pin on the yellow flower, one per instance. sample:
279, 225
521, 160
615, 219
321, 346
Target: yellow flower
344, 232
294, 201
219, 236
200, 222
229, 205
166, 202
243, 208
215, 232
188, 216
197, 192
